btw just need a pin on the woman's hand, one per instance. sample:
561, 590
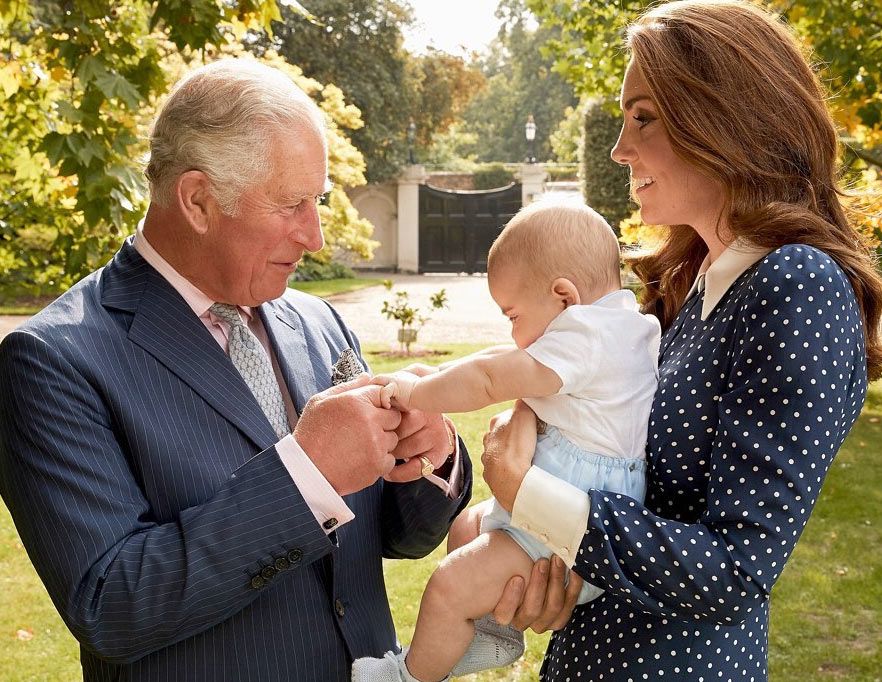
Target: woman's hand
508, 452
547, 603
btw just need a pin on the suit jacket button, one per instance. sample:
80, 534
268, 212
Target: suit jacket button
281, 563
330, 523
339, 608
268, 572
257, 582
295, 555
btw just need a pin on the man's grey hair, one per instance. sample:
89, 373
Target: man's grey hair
223, 119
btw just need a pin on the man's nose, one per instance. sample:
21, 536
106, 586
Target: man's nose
309, 230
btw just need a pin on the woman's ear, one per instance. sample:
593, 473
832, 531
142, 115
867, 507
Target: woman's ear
195, 201
566, 292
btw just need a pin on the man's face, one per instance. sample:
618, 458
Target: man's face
529, 308
249, 257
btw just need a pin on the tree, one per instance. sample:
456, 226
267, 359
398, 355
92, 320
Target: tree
845, 35
358, 45
520, 82
81, 82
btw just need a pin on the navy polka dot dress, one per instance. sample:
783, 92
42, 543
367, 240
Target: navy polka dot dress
752, 405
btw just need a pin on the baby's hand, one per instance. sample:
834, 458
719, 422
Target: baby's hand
397, 389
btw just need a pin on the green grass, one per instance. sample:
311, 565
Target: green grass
826, 614
329, 287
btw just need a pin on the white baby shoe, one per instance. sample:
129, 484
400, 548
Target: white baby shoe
390, 668
494, 646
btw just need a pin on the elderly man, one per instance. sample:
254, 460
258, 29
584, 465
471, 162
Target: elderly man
196, 507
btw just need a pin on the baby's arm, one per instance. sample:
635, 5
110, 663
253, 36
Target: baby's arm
483, 379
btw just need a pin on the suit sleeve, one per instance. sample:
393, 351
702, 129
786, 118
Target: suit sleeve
415, 516
124, 584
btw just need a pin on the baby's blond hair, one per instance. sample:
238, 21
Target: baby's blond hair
553, 238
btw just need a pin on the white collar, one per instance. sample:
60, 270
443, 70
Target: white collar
716, 278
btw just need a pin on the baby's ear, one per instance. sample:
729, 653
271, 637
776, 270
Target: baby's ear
565, 291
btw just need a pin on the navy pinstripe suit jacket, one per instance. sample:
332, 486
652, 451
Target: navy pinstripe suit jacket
143, 479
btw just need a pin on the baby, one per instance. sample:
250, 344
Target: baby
586, 362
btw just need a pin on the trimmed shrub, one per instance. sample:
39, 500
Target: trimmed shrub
492, 175
605, 183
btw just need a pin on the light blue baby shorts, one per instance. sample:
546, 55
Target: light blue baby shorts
564, 459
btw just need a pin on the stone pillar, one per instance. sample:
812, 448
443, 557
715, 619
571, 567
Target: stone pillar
409, 217
532, 182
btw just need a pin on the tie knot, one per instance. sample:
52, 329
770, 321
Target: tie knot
228, 313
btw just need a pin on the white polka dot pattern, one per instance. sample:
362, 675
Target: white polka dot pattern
752, 406
250, 358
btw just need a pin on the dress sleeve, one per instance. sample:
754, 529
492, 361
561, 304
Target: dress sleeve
796, 381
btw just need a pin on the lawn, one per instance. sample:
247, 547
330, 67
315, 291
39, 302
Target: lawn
329, 287
826, 613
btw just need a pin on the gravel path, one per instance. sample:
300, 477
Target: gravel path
472, 316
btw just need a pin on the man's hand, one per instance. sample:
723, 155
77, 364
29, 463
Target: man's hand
508, 452
547, 603
348, 435
420, 434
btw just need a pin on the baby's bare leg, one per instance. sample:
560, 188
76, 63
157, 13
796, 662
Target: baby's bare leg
466, 527
466, 586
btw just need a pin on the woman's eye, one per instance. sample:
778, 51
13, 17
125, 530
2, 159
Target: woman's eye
643, 119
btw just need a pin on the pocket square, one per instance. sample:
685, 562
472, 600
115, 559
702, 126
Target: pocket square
346, 368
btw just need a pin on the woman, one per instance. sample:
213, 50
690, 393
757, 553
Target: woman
770, 305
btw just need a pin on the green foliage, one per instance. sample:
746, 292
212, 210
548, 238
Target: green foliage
605, 183
357, 44
491, 176
520, 82
80, 87
566, 140
313, 270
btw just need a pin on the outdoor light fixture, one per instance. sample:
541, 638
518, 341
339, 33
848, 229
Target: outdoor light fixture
530, 134
411, 138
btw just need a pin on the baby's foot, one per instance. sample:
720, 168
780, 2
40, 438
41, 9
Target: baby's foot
390, 668
494, 646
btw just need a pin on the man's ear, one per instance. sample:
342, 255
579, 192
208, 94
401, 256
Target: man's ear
566, 292
195, 201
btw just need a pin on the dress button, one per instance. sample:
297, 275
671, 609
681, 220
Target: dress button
339, 608
257, 582
281, 563
268, 572
330, 523
544, 538
295, 555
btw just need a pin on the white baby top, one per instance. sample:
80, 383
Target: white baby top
606, 355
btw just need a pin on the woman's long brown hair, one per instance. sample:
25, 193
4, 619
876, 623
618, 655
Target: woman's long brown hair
741, 103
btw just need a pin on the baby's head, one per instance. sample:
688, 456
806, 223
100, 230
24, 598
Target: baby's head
551, 255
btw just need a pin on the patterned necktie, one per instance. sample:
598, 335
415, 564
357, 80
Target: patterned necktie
250, 358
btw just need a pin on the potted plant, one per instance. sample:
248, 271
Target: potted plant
411, 318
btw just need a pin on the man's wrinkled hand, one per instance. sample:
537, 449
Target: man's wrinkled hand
348, 435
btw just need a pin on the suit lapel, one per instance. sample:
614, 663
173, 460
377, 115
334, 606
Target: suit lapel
166, 327
286, 334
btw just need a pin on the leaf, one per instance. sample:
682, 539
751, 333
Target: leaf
114, 85
53, 145
10, 78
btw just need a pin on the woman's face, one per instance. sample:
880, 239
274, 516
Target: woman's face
668, 189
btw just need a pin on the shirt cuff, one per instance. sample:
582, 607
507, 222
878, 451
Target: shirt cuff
554, 511
452, 487
323, 501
